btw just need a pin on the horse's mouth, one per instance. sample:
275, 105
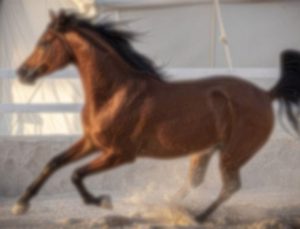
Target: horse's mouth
29, 76
28, 79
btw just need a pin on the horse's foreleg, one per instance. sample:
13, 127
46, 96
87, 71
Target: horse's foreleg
198, 167
78, 150
104, 162
231, 184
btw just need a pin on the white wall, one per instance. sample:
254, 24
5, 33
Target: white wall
180, 36
176, 36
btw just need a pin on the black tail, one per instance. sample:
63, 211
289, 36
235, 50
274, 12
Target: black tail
287, 90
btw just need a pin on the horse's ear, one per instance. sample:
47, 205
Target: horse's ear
62, 13
52, 15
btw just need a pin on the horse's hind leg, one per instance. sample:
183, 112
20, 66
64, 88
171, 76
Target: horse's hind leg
240, 148
198, 166
106, 161
231, 184
78, 150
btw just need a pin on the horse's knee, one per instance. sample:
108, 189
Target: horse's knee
76, 177
231, 183
54, 164
233, 186
50, 167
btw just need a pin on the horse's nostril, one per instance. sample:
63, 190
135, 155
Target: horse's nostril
22, 71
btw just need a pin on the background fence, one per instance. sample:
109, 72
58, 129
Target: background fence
52, 106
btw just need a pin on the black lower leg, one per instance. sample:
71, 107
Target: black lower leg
75, 152
33, 189
88, 198
54, 164
231, 185
106, 161
204, 215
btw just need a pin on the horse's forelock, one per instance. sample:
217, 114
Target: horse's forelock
63, 21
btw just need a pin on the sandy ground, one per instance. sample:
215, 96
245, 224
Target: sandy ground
269, 198
140, 210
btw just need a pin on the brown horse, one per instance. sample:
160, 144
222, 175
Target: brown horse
130, 111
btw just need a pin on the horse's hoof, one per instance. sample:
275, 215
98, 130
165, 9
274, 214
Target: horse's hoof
201, 218
20, 208
106, 202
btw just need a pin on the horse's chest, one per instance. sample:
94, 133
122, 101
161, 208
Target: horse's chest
104, 125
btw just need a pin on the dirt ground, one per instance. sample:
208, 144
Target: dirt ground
269, 198
246, 211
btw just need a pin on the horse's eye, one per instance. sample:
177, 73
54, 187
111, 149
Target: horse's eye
44, 44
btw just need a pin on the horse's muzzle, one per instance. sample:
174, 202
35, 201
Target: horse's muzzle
28, 75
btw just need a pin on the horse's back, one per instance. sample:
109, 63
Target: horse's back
248, 98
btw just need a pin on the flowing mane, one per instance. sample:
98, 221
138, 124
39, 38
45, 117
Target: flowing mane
119, 40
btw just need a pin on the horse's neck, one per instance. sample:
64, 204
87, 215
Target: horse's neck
101, 74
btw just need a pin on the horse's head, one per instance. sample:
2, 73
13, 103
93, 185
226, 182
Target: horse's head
51, 53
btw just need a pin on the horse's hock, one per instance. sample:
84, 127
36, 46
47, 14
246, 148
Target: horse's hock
275, 168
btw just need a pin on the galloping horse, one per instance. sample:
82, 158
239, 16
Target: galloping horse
130, 111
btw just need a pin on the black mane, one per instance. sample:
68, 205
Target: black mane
119, 40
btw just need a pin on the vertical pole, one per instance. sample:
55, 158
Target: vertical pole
223, 35
212, 53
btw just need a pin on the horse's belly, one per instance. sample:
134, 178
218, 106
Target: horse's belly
161, 151
171, 142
